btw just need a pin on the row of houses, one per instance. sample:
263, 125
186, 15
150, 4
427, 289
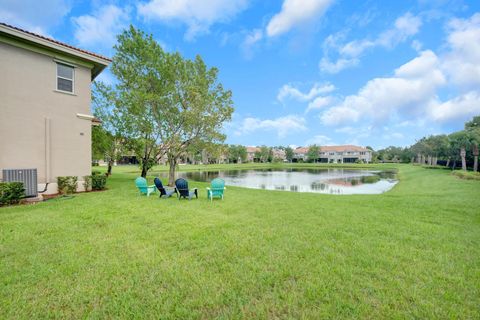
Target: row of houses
326, 154
335, 154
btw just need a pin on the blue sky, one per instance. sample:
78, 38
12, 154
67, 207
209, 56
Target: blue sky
373, 73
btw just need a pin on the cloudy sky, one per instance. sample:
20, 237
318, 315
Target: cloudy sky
373, 73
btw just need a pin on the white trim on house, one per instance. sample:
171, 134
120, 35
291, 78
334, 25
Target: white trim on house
85, 116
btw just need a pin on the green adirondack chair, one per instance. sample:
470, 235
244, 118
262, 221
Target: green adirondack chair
142, 186
217, 187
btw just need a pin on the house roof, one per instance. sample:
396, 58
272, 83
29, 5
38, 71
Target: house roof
252, 149
332, 149
100, 62
301, 150
343, 148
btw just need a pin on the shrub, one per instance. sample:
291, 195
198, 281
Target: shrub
87, 182
11, 192
96, 172
467, 175
67, 184
99, 181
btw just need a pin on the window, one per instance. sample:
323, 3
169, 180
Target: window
65, 77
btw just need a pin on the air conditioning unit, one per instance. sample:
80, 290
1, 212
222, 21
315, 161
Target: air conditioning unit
27, 176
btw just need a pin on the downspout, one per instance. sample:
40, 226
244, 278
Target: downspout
47, 151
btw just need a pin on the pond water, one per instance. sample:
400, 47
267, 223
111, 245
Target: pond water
331, 181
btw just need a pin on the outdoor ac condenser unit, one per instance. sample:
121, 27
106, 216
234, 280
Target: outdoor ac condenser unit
27, 176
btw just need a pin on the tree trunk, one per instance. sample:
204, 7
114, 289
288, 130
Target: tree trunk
172, 162
448, 163
144, 171
144, 168
463, 153
109, 169
475, 157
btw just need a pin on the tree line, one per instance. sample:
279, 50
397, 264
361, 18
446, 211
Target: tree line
461, 146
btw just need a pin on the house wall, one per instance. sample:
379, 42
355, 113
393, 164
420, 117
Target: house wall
39, 126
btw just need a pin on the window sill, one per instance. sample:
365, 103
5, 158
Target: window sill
65, 92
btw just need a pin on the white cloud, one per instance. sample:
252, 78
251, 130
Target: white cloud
462, 63
283, 125
319, 103
459, 108
411, 96
250, 40
340, 115
289, 91
102, 27
349, 53
417, 45
335, 67
414, 84
197, 15
294, 13
319, 140
33, 15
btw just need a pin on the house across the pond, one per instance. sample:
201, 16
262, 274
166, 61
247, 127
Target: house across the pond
335, 154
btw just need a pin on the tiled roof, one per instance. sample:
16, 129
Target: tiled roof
343, 148
301, 150
332, 148
56, 42
252, 149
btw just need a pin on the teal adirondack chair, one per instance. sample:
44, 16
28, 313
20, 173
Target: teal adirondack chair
217, 187
142, 186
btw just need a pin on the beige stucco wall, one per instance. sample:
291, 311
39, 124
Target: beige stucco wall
27, 99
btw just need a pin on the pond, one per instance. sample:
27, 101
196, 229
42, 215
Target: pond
331, 181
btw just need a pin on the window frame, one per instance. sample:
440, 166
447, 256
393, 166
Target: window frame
57, 76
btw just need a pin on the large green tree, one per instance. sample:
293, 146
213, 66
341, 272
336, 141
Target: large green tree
237, 153
109, 140
313, 153
167, 103
289, 154
473, 128
197, 108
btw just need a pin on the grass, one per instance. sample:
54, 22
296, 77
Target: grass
413, 252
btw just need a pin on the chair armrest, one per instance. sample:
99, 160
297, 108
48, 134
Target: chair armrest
208, 188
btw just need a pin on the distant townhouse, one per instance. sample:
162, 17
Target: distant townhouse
279, 154
336, 154
251, 153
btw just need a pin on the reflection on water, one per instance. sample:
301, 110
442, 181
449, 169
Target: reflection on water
331, 181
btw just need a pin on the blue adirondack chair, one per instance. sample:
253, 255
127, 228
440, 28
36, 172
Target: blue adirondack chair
183, 191
217, 187
142, 186
164, 192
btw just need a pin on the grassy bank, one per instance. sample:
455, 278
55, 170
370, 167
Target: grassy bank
413, 252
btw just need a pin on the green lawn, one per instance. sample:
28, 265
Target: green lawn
413, 252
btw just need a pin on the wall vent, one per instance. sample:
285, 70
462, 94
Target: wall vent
27, 176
